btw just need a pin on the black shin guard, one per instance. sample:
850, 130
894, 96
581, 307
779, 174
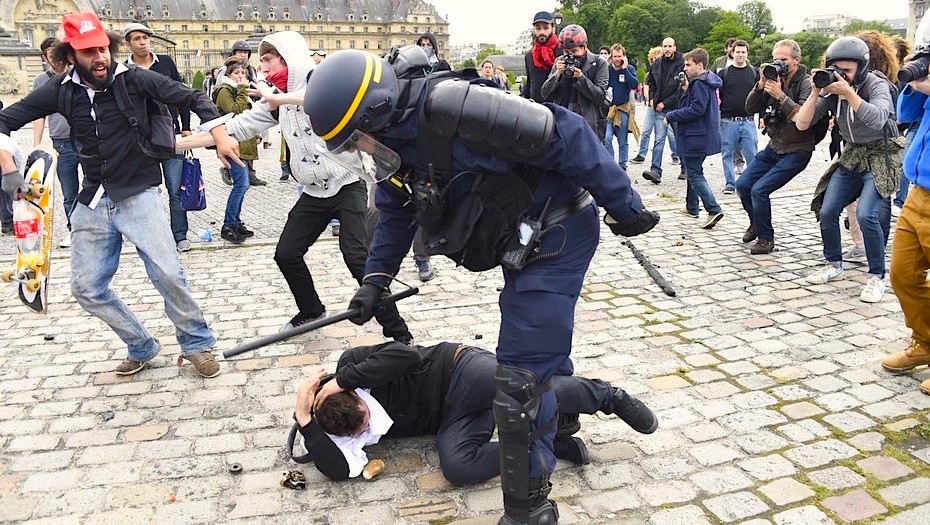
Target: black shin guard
516, 406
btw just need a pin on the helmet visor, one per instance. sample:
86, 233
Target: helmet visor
386, 161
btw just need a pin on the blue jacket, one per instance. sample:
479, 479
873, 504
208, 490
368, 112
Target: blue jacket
914, 106
621, 90
698, 117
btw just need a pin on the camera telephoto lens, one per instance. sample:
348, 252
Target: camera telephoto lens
916, 69
770, 72
823, 78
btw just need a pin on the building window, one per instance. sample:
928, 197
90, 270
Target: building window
206, 45
338, 44
186, 44
416, 19
225, 44
338, 29
319, 45
164, 12
27, 35
415, 29
287, 28
350, 17
225, 28
183, 27
206, 28
352, 44
351, 29
403, 29
319, 15
287, 13
365, 44
319, 29
241, 28
257, 28
167, 28
366, 29
379, 44
148, 11
380, 29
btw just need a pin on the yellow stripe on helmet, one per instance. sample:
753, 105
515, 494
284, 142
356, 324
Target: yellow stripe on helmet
359, 95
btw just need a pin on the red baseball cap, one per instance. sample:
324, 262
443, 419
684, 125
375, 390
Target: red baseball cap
84, 30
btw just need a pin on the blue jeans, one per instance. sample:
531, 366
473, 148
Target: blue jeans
621, 134
172, 169
843, 188
737, 134
662, 130
698, 188
97, 238
648, 125
67, 174
905, 183
767, 172
240, 178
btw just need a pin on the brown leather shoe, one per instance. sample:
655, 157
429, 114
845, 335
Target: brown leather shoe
914, 355
761, 246
750, 234
129, 367
925, 387
204, 362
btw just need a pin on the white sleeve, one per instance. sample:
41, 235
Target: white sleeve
9, 145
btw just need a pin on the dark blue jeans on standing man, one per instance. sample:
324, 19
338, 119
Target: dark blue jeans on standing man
173, 169
240, 177
698, 188
67, 174
767, 172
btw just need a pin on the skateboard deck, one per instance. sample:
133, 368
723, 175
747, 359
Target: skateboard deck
32, 271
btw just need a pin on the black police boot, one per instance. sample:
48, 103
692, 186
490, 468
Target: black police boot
542, 510
572, 449
632, 411
568, 424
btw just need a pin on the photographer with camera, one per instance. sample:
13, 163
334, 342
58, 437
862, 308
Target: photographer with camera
578, 80
783, 87
910, 259
665, 81
869, 167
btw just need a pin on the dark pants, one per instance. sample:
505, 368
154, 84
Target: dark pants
305, 222
466, 453
67, 168
767, 172
6, 210
698, 189
419, 248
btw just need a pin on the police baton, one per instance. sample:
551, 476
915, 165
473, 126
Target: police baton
650, 269
304, 328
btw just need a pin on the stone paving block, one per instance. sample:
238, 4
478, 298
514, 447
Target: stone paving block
717, 390
664, 383
911, 492
767, 467
785, 491
385, 489
71, 502
820, 453
604, 503
710, 454
427, 509
760, 442
922, 454
612, 475
801, 410
804, 431
870, 393
661, 493
849, 421
826, 384
836, 478
33, 443
256, 505
145, 433
888, 409
687, 515
806, 515
736, 506
753, 400
705, 432
666, 467
854, 505
867, 441
750, 420
788, 373
919, 515
704, 376
884, 468
837, 402
902, 425
720, 480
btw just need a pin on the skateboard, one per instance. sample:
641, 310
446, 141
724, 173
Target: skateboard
33, 263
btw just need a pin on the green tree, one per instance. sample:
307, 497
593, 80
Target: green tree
729, 25
864, 25
469, 62
197, 82
813, 46
637, 29
486, 52
757, 16
594, 17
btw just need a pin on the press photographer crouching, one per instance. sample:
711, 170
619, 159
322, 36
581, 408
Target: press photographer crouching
868, 169
909, 258
578, 80
783, 87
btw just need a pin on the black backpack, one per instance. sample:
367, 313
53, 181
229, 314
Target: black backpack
151, 120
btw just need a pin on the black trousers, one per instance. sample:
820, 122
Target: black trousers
305, 222
466, 453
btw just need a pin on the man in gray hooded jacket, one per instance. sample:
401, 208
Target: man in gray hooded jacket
583, 88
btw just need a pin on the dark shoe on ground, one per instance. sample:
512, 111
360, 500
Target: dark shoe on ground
231, 234
639, 159
300, 319
750, 234
689, 214
7, 229
675, 160
652, 177
224, 174
129, 367
762, 246
572, 449
632, 411
712, 220
729, 190
255, 181
425, 270
204, 362
243, 231
683, 175
336, 227
284, 177
568, 424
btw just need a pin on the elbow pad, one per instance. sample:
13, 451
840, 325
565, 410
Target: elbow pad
489, 119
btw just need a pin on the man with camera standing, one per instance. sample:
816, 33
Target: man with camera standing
664, 90
869, 167
621, 80
783, 87
910, 259
578, 80
737, 126
540, 59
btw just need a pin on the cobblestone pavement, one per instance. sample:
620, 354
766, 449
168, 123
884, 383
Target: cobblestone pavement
772, 405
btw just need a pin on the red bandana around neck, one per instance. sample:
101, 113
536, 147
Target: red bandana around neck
544, 55
279, 79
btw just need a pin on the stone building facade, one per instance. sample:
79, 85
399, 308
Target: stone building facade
199, 33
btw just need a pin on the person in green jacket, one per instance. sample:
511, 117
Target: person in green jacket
231, 95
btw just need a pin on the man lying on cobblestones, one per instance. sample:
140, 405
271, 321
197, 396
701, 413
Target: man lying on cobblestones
120, 196
330, 190
446, 389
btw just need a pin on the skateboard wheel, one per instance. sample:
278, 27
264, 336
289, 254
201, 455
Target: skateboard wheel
7, 276
32, 285
37, 190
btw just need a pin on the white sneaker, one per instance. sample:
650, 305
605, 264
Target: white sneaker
895, 210
66, 242
855, 254
873, 291
827, 273
184, 245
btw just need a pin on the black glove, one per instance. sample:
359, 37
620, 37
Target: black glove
13, 182
365, 300
643, 222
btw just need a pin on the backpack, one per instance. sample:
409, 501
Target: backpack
152, 122
723, 73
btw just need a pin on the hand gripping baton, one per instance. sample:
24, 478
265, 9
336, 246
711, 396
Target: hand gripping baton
304, 328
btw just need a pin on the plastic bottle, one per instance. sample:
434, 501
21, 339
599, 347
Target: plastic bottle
27, 223
206, 235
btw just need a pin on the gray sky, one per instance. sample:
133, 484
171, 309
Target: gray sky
500, 21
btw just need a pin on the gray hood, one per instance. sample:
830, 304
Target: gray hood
293, 49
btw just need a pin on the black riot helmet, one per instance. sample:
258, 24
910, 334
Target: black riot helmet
240, 45
853, 49
352, 92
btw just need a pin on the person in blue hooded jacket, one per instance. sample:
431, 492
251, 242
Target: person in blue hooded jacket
697, 126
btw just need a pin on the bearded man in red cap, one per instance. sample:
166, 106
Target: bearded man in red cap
113, 114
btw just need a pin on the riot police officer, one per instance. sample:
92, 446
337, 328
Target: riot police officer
491, 179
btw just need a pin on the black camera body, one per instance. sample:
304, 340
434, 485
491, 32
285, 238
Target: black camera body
682, 79
777, 69
916, 69
571, 64
825, 77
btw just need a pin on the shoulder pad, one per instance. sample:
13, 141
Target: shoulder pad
408, 60
490, 118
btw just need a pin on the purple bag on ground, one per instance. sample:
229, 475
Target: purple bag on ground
193, 196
